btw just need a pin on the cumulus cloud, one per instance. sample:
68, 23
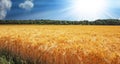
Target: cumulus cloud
28, 4
4, 6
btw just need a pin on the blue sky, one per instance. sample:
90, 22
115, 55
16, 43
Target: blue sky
60, 10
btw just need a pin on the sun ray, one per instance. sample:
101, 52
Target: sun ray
87, 9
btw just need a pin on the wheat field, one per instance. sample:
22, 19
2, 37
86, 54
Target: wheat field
62, 44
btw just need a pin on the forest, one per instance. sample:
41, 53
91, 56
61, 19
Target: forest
63, 22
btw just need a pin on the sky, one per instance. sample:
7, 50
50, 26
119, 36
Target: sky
59, 9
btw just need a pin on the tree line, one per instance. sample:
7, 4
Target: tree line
63, 22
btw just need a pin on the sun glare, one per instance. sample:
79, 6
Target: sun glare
88, 8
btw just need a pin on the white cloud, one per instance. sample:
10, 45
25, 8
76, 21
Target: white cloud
28, 4
4, 6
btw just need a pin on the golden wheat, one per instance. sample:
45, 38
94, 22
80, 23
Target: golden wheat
50, 44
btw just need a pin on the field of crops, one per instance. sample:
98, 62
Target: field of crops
61, 44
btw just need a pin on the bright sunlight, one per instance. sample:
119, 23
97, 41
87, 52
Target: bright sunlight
88, 8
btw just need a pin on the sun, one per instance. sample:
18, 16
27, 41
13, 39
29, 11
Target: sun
88, 8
